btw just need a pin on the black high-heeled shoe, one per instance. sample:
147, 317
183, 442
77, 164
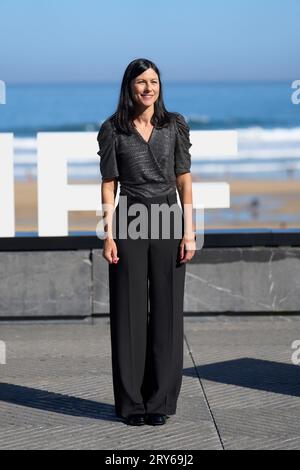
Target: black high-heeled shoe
135, 420
155, 419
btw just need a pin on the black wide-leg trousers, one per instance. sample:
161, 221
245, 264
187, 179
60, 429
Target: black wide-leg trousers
146, 291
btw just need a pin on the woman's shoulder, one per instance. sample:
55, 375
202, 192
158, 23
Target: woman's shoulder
180, 124
178, 118
107, 128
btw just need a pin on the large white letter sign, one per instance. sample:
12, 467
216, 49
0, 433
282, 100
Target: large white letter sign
7, 197
212, 144
211, 195
55, 196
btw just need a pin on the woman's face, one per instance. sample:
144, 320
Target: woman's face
145, 88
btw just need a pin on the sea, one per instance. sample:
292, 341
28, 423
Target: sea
267, 121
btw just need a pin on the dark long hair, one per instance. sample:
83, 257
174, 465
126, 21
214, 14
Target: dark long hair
126, 106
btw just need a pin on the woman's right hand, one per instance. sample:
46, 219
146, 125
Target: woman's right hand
110, 250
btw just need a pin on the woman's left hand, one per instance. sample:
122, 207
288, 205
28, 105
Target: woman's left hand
187, 249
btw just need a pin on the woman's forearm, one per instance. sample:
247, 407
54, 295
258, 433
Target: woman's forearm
108, 194
184, 187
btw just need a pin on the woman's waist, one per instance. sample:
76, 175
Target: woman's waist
169, 198
147, 191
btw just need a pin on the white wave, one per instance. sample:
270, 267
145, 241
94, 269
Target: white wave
221, 168
259, 134
25, 143
270, 154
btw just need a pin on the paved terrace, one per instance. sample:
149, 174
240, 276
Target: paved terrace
240, 388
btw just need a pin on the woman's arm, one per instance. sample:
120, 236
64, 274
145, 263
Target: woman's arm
108, 194
188, 243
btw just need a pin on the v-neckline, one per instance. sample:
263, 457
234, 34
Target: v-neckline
140, 135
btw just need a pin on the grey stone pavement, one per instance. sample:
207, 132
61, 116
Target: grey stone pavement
240, 387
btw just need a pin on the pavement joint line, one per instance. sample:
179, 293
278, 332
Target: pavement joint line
205, 396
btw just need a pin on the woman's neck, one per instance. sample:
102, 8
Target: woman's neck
143, 117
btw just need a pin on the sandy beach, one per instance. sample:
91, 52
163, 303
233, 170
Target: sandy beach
255, 204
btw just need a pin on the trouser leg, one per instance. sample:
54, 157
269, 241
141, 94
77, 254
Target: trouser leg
128, 288
163, 375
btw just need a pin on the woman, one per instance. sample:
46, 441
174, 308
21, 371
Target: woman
146, 149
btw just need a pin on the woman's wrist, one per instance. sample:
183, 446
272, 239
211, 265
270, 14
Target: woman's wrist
190, 237
108, 237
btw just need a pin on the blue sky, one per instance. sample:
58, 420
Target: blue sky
94, 40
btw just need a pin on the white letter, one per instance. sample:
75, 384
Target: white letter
2, 352
296, 354
296, 94
55, 196
7, 199
2, 92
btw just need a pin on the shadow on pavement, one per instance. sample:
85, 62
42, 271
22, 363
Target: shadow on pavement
257, 374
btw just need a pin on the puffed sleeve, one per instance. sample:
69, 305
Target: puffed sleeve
107, 151
182, 145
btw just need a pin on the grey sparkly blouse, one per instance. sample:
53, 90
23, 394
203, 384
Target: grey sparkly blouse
144, 168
